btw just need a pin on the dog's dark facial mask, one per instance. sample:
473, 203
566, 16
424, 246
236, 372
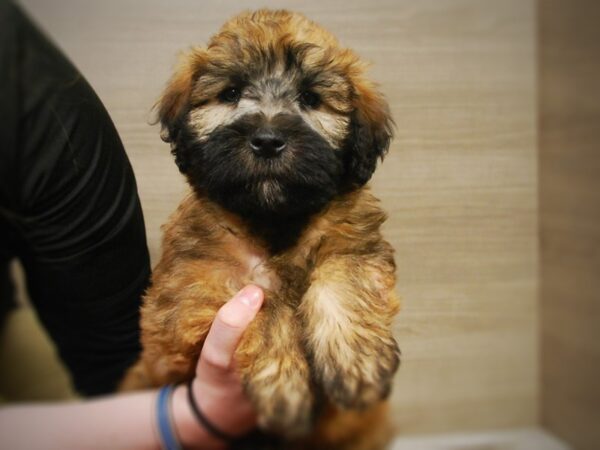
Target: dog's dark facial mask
232, 169
325, 124
262, 142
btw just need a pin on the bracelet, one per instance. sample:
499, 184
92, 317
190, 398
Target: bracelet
207, 424
164, 420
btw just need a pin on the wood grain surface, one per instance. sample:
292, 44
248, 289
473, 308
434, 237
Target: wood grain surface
570, 219
460, 182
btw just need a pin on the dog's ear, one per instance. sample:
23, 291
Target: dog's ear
370, 133
175, 100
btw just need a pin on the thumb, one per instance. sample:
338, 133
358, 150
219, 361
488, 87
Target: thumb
227, 329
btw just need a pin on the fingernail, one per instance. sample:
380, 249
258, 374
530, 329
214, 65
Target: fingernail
251, 296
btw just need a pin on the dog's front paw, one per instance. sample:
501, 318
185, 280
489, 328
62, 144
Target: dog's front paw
282, 396
360, 375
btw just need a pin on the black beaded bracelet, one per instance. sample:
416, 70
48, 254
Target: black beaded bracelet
207, 424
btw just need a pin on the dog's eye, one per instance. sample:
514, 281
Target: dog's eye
310, 99
230, 95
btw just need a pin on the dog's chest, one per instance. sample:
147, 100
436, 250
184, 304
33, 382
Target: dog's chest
258, 271
252, 264
256, 265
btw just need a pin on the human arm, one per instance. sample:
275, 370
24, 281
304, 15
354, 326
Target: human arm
128, 421
69, 207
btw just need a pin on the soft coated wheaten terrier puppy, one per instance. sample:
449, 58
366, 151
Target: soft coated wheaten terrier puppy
278, 131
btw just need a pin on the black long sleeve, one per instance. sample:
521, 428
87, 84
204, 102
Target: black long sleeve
69, 208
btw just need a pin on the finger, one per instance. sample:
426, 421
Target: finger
226, 331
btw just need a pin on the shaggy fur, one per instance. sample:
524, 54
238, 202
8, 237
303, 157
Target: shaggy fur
319, 359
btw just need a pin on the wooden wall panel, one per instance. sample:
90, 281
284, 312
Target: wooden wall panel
459, 182
569, 36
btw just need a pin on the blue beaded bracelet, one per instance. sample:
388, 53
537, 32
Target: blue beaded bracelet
166, 431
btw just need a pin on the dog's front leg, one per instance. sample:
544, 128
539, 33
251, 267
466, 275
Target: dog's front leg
347, 312
275, 371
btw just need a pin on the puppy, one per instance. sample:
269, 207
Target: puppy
277, 131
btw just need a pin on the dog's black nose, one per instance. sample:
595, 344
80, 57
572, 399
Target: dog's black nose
266, 143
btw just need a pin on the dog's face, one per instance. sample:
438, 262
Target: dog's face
273, 118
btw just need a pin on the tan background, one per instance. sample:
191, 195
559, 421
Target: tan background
460, 182
570, 219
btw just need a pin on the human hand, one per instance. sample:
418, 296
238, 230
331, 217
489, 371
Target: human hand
217, 386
